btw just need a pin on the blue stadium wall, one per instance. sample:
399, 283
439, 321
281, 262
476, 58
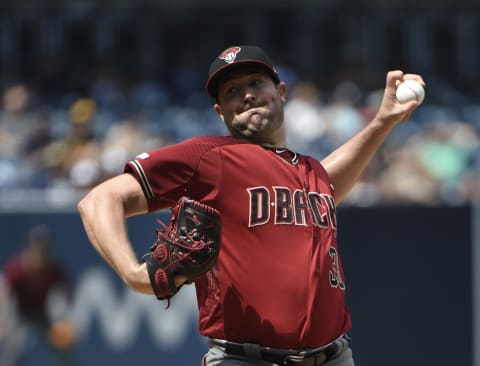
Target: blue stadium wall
409, 288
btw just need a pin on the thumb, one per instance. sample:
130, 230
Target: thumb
409, 107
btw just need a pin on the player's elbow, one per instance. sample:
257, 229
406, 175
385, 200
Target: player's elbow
86, 205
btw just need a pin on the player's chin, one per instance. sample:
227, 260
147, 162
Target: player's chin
258, 126
263, 136
250, 128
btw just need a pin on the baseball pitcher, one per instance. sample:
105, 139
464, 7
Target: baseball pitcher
254, 224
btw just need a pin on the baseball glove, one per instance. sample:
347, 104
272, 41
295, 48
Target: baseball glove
189, 246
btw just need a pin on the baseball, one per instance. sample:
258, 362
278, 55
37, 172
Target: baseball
410, 90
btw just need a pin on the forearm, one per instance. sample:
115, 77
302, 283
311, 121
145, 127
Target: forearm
104, 223
103, 213
85, 214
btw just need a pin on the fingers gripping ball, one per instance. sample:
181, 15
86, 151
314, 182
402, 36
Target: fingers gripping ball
189, 246
410, 90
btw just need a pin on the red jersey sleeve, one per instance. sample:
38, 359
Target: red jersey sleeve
191, 168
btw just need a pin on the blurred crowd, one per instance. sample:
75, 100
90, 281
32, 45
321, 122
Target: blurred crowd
77, 140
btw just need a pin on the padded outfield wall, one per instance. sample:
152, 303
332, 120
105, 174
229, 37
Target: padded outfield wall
409, 279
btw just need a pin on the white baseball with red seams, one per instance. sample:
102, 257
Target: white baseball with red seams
410, 90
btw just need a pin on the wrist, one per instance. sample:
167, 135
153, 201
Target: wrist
137, 279
180, 280
380, 123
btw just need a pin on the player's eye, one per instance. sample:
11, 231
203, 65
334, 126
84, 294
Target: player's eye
256, 82
232, 91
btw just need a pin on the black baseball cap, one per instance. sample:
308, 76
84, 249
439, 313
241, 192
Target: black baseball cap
233, 57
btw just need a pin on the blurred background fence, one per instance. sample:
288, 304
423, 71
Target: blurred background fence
411, 285
87, 85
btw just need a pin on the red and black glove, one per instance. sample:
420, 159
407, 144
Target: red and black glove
189, 246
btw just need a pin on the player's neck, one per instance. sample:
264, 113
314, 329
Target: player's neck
271, 143
274, 139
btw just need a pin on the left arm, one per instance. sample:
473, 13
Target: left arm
346, 164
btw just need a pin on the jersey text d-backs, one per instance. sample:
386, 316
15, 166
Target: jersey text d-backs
279, 280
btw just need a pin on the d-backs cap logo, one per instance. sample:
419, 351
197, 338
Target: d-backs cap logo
230, 54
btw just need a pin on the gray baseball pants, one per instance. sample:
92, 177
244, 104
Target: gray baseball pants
217, 357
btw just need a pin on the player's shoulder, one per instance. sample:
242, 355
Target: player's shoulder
309, 158
191, 149
314, 162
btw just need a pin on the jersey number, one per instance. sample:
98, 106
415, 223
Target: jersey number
334, 275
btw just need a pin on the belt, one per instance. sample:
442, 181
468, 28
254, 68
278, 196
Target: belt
307, 357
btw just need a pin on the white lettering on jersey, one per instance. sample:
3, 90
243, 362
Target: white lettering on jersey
290, 207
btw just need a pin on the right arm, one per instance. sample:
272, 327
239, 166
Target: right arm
103, 212
346, 164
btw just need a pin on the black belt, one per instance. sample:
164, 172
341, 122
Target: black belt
309, 357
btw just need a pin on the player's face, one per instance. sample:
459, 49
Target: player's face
251, 105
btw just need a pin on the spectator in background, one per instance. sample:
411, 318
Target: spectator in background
15, 119
33, 279
73, 160
403, 178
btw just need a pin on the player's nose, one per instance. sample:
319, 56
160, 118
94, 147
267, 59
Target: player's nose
249, 96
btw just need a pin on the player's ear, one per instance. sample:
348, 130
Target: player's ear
218, 109
282, 90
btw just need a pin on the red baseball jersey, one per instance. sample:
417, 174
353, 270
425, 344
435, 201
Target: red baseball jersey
278, 281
